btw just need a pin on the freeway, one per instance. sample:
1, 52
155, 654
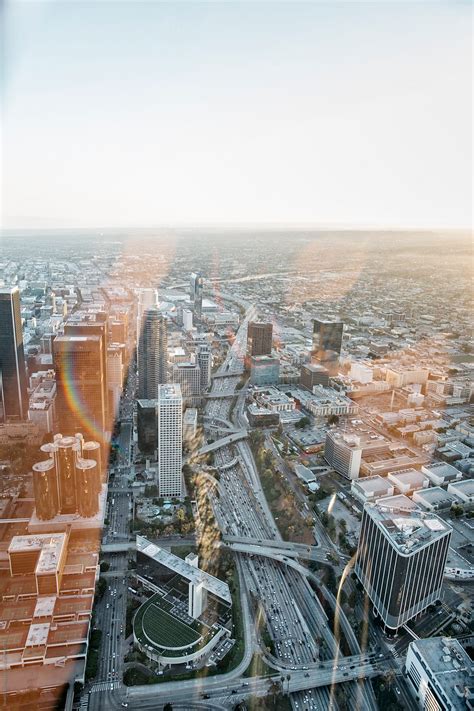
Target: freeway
276, 592
300, 549
275, 552
286, 604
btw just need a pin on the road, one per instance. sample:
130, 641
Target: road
275, 591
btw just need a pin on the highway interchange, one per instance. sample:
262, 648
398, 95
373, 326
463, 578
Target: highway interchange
307, 662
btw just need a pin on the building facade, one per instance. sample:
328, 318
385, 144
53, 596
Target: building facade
152, 354
188, 376
344, 454
327, 341
400, 561
204, 360
69, 481
170, 440
80, 400
13, 384
195, 292
259, 339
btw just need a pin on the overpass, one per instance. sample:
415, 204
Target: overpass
219, 422
281, 554
118, 547
223, 442
228, 465
220, 395
228, 374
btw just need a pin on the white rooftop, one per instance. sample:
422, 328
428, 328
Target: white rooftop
180, 566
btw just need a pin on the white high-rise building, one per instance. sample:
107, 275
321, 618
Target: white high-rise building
170, 440
187, 319
147, 299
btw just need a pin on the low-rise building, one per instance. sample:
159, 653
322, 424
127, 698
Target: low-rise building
434, 499
371, 487
406, 481
274, 400
307, 477
326, 402
463, 491
262, 416
441, 673
441, 473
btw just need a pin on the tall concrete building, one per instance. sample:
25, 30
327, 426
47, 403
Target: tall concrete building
195, 292
147, 426
259, 338
204, 360
81, 396
152, 354
83, 323
170, 440
188, 376
13, 383
115, 375
187, 319
327, 341
400, 560
147, 299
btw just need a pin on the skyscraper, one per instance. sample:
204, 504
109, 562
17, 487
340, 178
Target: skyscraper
81, 397
327, 341
195, 293
400, 561
170, 440
13, 390
259, 338
147, 299
83, 323
204, 360
188, 376
152, 354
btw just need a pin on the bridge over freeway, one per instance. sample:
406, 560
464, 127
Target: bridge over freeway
220, 394
218, 422
223, 442
316, 554
228, 374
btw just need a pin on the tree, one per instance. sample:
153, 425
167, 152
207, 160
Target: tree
101, 587
333, 419
168, 707
104, 566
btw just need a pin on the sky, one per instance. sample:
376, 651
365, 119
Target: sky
352, 114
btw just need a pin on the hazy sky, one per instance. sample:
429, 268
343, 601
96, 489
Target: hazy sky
149, 113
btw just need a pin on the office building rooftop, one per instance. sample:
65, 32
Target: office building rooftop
186, 570
408, 530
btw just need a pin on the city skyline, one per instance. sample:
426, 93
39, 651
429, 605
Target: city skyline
236, 355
